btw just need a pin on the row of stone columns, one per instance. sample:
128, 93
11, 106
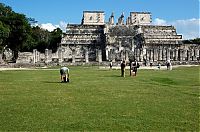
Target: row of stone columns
168, 54
60, 54
36, 56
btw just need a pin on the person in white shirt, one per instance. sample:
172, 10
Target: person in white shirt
64, 74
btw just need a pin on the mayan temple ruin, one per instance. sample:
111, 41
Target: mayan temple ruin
135, 37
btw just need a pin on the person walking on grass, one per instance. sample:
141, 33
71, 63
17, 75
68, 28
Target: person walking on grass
123, 66
135, 66
64, 74
111, 64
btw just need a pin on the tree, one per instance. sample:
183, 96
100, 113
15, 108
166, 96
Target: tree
20, 30
18, 26
56, 37
4, 34
192, 41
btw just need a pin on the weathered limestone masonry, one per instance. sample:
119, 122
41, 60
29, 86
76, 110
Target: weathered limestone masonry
95, 40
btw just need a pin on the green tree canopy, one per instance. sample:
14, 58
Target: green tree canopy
17, 34
18, 27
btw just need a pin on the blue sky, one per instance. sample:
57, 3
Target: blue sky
183, 14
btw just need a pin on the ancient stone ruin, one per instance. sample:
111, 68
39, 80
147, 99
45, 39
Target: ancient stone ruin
95, 40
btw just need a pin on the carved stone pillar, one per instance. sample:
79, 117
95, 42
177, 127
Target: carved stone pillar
188, 55
86, 56
176, 55
141, 55
155, 54
193, 54
60, 55
48, 55
99, 55
120, 45
184, 54
73, 55
180, 55
168, 54
107, 53
138, 55
197, 53
160, 54
126, 56
34, 55
151, 55
148, 54
132, 45
1, 60
164, 56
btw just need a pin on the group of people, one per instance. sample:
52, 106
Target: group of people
133, 68
134, 65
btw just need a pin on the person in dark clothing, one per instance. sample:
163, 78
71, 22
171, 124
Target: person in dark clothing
123, 66
135, 66
111, 64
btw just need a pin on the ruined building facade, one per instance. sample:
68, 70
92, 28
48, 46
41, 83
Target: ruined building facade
95, 40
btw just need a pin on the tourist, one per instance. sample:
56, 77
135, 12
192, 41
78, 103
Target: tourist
159, 66
168, 64
111, 64
64, 74
151, 64
135, 66
123, 66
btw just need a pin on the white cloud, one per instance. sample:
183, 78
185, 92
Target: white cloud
49, 26
159, 21
63, 25
189, 28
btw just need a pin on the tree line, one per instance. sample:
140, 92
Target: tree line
17, 33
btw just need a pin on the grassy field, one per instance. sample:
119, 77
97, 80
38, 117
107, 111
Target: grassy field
100, 100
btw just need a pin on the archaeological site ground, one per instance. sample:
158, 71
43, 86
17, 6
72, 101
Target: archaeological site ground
99, 100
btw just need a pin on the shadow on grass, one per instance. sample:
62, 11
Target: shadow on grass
113, 76
53, 82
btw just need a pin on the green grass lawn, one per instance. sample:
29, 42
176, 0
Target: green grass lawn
100, 100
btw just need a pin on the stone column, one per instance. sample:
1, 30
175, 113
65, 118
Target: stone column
168, 54
47, 56
148, 54
120, 45
197, 53
151, 55
1, 60
164, 56
194, 52
60, 55
141, 55
34, 55
126, 56
107, 53
86, 56
155, 55
184, 54
137, 54
121, 55
99, 55
73, 55
180, 55
132, 45
176, 55
160, 54
188, 55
